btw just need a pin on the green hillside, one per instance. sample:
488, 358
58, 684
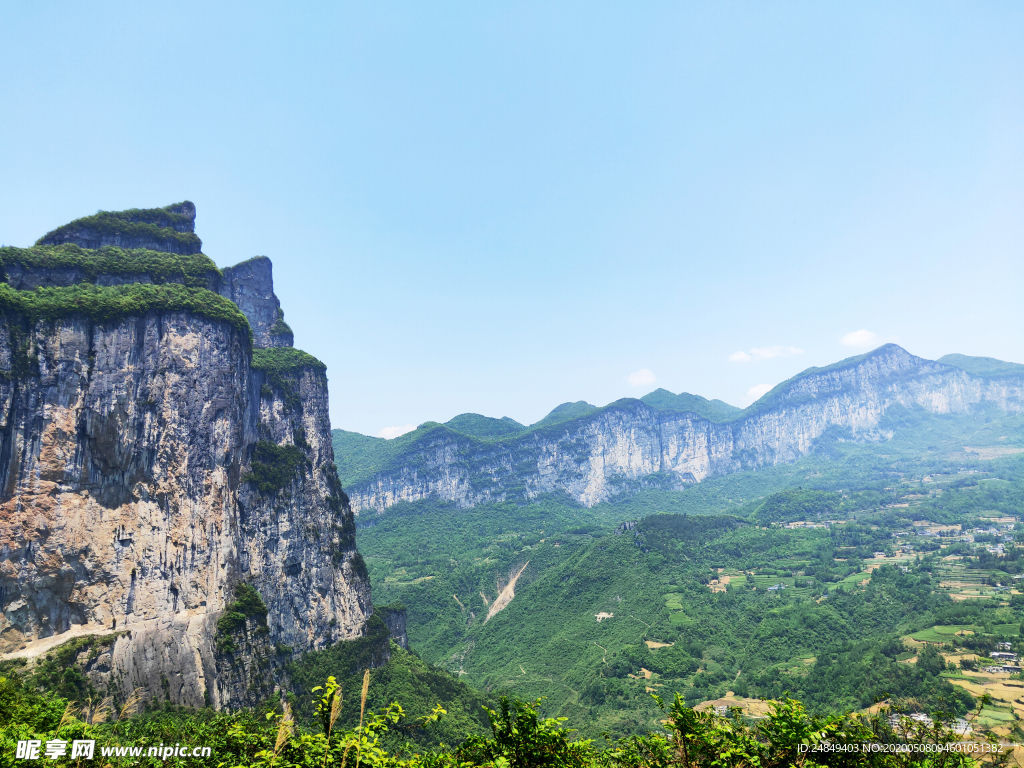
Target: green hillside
713, 410
680, 581
565, 412
358, 456
484, 427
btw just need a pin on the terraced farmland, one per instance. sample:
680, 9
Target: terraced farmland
966, 583
944, 633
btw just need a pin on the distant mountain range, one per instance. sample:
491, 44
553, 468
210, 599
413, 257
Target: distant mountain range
665, 440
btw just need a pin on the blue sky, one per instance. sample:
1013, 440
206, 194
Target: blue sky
501, 207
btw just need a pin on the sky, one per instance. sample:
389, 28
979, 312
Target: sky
500, 207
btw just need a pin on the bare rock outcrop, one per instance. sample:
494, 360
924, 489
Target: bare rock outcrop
251, 286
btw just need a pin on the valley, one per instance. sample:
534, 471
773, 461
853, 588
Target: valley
826, 578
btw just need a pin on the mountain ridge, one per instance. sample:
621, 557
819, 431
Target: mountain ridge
630, 444
982, 366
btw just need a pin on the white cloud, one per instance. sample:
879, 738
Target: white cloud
642, 378
764, 353
389, 433
861, 338
756, 391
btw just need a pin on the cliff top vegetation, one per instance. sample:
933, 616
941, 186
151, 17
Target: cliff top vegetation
712, 410
194, 270
106, 304
284, 360
173, 223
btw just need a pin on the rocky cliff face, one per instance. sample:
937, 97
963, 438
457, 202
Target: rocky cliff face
250, 285
152, 460
629, 443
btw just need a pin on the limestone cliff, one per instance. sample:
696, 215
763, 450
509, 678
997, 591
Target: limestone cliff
630, 443
250, 285
163, 448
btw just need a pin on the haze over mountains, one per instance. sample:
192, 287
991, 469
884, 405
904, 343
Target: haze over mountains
664, 440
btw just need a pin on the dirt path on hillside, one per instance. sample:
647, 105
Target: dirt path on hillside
506, 595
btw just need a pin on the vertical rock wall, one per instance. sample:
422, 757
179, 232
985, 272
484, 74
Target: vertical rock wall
251, 286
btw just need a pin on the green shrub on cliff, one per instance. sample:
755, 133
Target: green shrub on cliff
248, 604
284, 360
280, 326
58, 670
274, 466
281, 366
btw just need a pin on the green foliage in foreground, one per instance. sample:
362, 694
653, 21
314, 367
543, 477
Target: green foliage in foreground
194, 270
520, 737
405, 678
116, 302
